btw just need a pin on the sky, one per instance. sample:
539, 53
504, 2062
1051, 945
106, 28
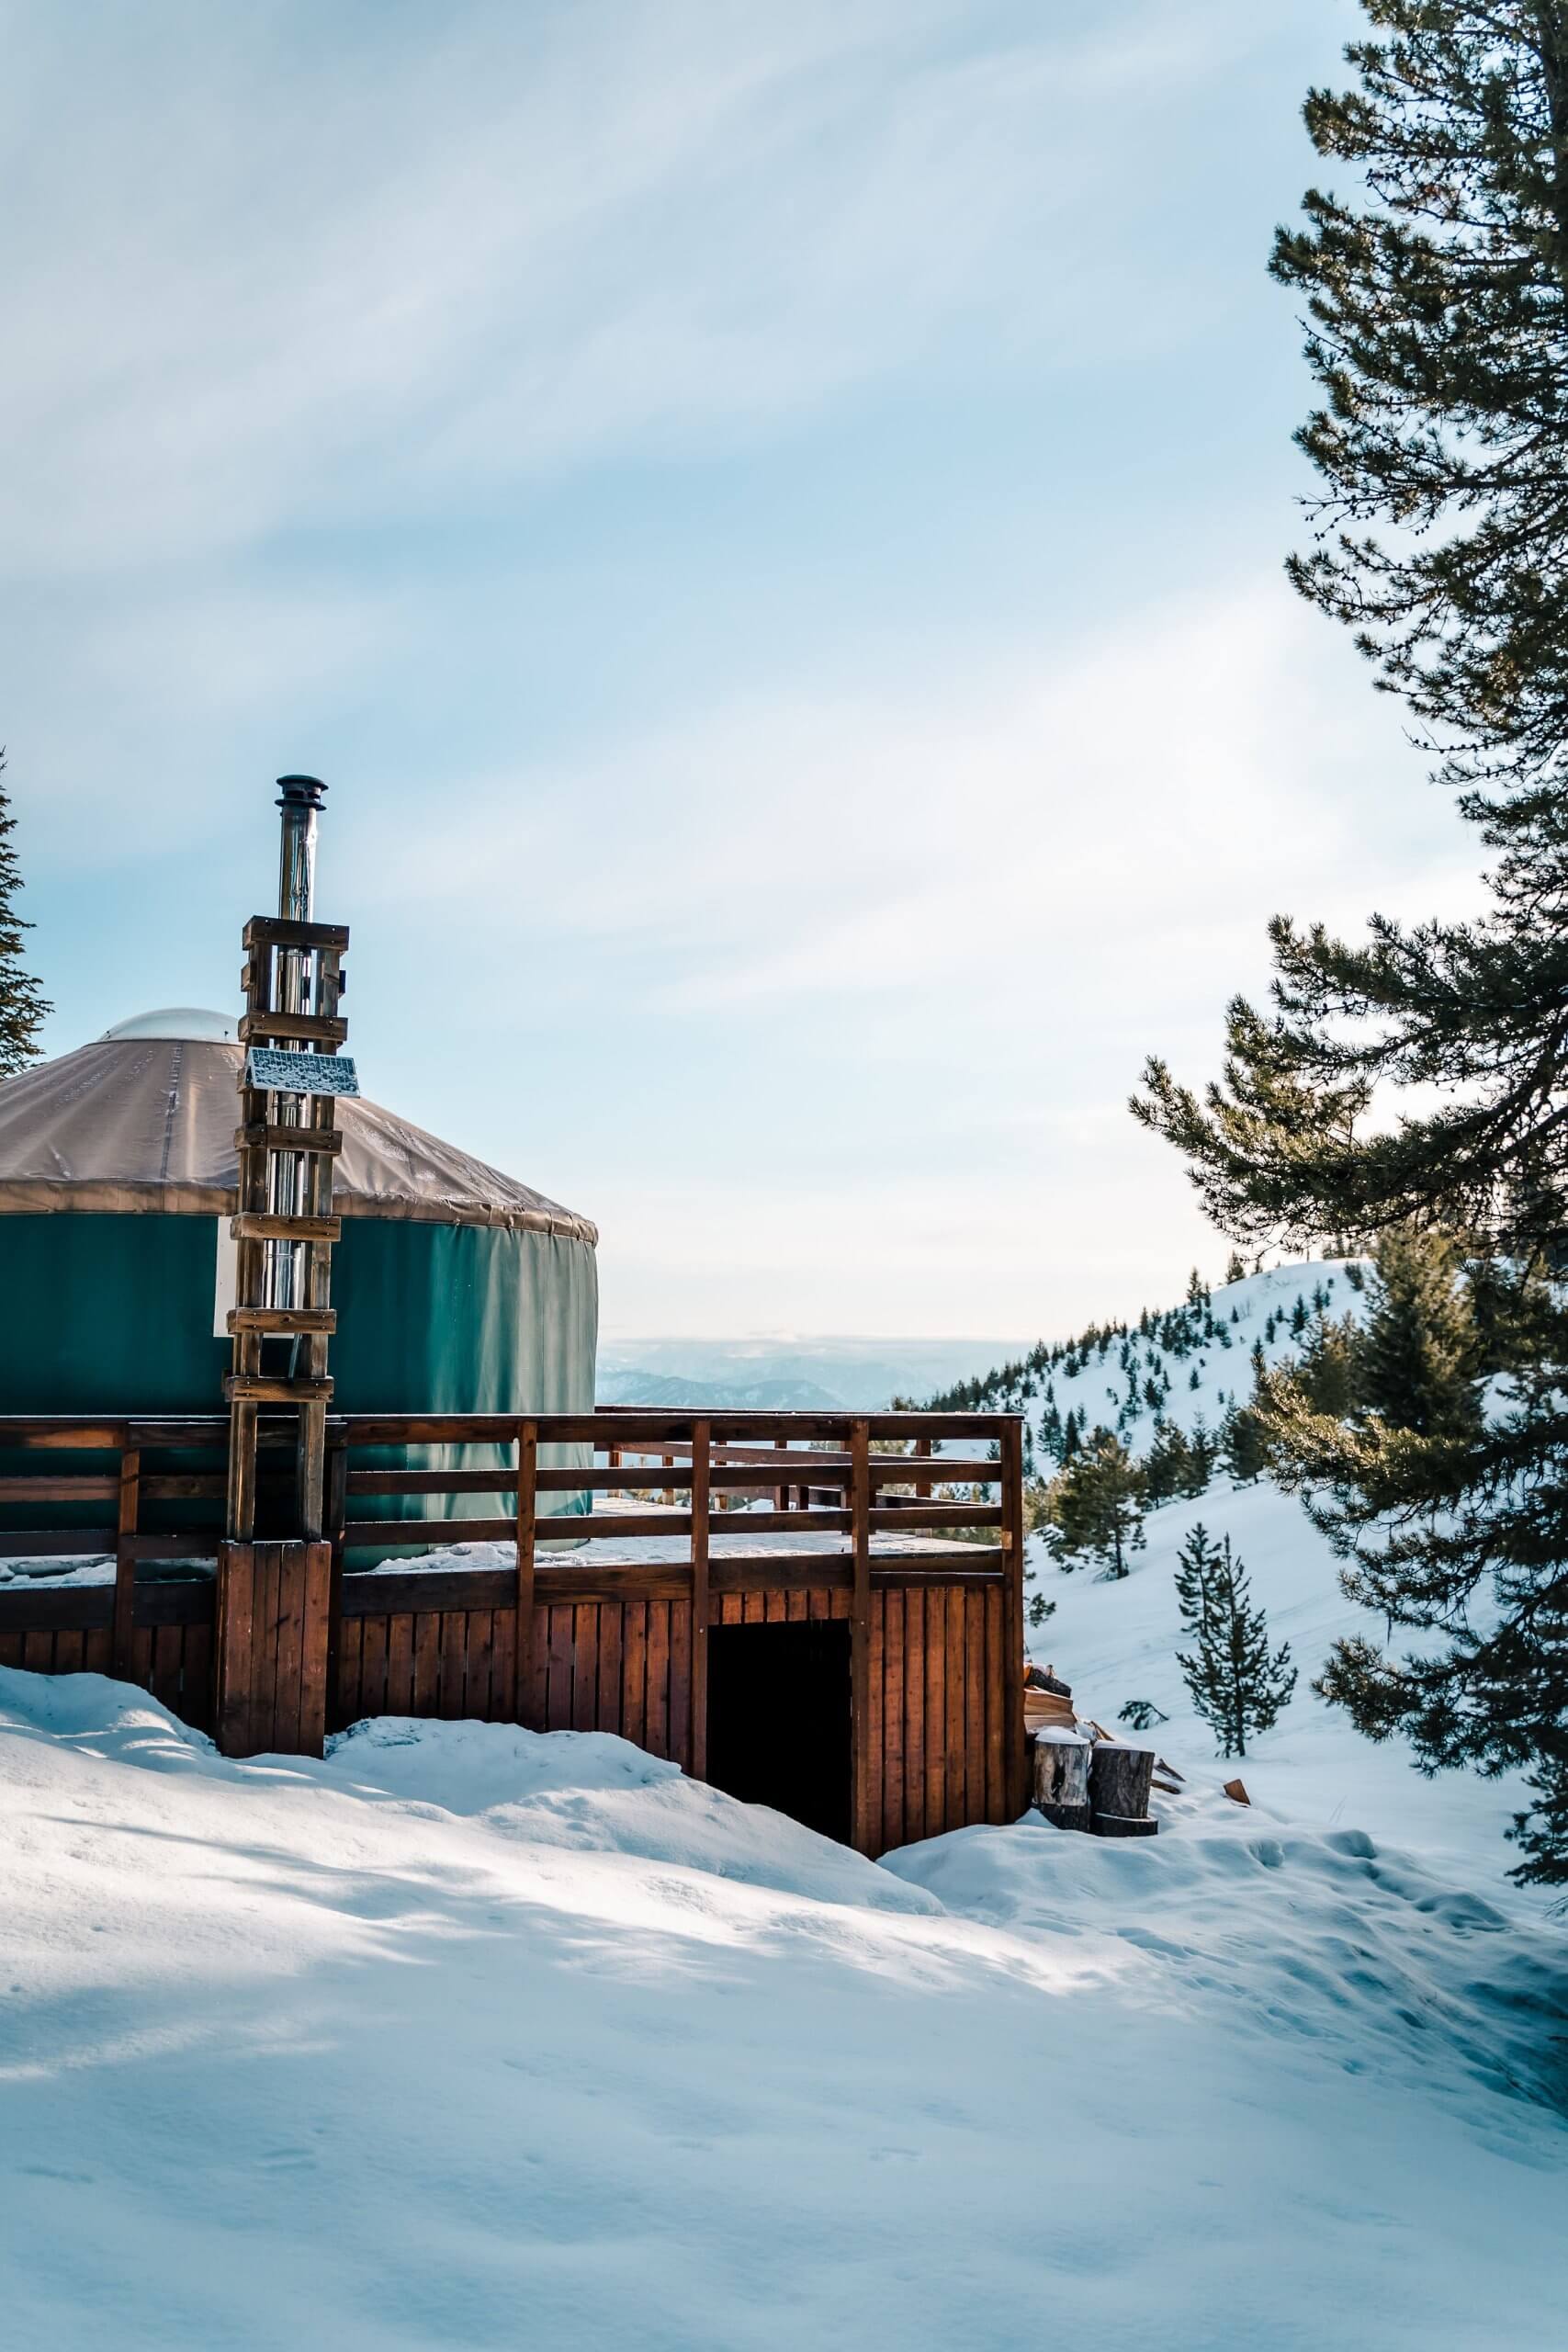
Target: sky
769, 518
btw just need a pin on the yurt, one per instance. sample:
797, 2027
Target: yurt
458, 1289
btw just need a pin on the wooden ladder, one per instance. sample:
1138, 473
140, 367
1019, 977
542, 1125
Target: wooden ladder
287, 1142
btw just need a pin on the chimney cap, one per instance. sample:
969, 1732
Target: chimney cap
300, 790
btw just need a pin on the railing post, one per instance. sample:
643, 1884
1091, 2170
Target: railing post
124, 1562
334, 1495
780, 1494
922, 1486
1016, 1756
702, 1458
861, 1760
527, 1521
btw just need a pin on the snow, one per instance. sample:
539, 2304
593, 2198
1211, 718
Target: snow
1224, 1366
470, 2037
1115, 1642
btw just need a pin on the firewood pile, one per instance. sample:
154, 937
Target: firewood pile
1083, 1778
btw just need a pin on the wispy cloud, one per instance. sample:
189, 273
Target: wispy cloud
346, 265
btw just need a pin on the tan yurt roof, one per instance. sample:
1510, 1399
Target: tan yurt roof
144, 1118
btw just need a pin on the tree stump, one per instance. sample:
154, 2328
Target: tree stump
1061, 1781
1118, 1778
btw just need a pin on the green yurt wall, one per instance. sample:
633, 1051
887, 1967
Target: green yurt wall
458, 1289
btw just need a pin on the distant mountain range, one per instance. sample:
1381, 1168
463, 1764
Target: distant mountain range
807, 1374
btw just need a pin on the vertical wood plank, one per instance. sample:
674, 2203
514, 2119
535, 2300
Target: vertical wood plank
98, 1657
558, 1707
586, 1668
454, 1663
753, 1609
876, 1765
975, 1800
863, 1764
69, 1649
345, 1682
657, 1718
524, 1705
955, 1813
539, 1671
1014, 1760
609, 1707
795, 1610
125, 1560
11, 1650
695, 1702
936, 1710
503, 1666
681, 1718
996, 1701
914, 1712
37, 1651
729, 1612
476, 1680
427, 1662
634, 1663
373, 1643
291, 1583
235, 1602
892, 1716
269, 1611
399, 1634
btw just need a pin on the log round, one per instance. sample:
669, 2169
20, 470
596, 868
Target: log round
1061, 1781
1119, 1777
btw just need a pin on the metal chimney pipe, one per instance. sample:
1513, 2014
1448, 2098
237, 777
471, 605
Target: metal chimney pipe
300, 798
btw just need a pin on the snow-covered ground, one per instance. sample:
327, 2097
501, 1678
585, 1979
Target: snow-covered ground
471, 2037
1117, 1642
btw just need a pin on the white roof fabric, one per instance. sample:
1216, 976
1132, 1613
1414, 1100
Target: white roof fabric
147, 1123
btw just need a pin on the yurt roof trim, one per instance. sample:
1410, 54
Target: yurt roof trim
143, 1121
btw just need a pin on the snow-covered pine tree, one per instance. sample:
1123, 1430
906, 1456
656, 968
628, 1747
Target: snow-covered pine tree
1236, 1268
22, 1006
1237, 1683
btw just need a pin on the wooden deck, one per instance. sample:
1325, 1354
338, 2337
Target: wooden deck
921, 1557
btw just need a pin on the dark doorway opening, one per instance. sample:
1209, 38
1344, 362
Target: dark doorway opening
779, 1720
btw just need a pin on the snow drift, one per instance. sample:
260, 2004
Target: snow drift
468, 2037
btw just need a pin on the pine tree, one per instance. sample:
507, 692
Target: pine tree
22, 1007
1203, 1453
1418, 1351
1197, 1562
1438, 297
1168, 1464
1244, 1445
1238, 1684
1095, 1507
1329, 1368
1236, 1270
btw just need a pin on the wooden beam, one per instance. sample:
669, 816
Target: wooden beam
319, 1141
1016, 1752
125, 1563
293, 1028
522, 1597
275, 931
261, 1225
863, 1818
282, 1320
699, 1689
253, 1388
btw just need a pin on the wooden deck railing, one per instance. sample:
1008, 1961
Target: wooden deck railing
486, 1639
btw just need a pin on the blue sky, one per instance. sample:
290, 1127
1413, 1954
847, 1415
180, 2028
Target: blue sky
769, 519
